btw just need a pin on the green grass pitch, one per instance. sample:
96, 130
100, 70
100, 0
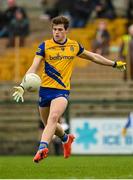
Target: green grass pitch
84, 167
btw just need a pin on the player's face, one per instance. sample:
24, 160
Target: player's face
59, 33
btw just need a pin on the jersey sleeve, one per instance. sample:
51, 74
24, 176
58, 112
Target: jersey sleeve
81, 49
41, 50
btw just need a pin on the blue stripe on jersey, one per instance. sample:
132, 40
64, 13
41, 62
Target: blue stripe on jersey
81, 49
53, 73
52, 69
41, 50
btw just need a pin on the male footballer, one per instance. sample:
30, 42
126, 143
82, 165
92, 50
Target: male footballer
58, 56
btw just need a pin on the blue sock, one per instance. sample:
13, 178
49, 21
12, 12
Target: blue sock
43, 145
64, 138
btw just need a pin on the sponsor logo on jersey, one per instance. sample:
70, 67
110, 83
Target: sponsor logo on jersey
59, 57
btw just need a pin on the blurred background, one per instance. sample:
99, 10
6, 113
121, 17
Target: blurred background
101, 99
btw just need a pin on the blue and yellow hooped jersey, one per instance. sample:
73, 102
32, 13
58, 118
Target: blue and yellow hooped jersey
58, 62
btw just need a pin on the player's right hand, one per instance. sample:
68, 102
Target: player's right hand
18, 94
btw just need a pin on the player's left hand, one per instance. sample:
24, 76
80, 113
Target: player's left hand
120, 65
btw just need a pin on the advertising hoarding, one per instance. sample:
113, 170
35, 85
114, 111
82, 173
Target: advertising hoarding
101, 136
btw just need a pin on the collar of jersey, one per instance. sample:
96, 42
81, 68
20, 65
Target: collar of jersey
60, 43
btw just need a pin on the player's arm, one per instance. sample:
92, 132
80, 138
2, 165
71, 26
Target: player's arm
35, 65
19, 90
96, 58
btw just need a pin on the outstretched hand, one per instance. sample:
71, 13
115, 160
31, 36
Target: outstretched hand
120, 65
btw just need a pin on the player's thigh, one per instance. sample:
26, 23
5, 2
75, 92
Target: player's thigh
44, 113
57, 107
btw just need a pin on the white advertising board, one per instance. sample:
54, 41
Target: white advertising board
101, 136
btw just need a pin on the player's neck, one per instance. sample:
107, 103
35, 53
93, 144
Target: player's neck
63, 41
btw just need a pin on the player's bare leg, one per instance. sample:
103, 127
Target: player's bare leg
57, 108
44, 116
44, 113
66, 139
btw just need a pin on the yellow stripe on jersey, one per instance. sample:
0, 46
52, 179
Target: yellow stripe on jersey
58, 62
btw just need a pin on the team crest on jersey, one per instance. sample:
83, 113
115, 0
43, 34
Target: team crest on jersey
71, 48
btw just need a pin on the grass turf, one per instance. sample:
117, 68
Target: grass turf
22, 167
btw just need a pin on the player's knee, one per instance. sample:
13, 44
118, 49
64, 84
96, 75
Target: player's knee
54, 116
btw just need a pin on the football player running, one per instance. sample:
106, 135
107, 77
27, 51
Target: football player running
58, 55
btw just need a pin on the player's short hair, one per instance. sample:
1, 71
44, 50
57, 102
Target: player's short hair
60, 20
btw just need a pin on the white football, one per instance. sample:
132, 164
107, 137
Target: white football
31, 82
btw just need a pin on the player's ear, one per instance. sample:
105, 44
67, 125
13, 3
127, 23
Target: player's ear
67, 30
